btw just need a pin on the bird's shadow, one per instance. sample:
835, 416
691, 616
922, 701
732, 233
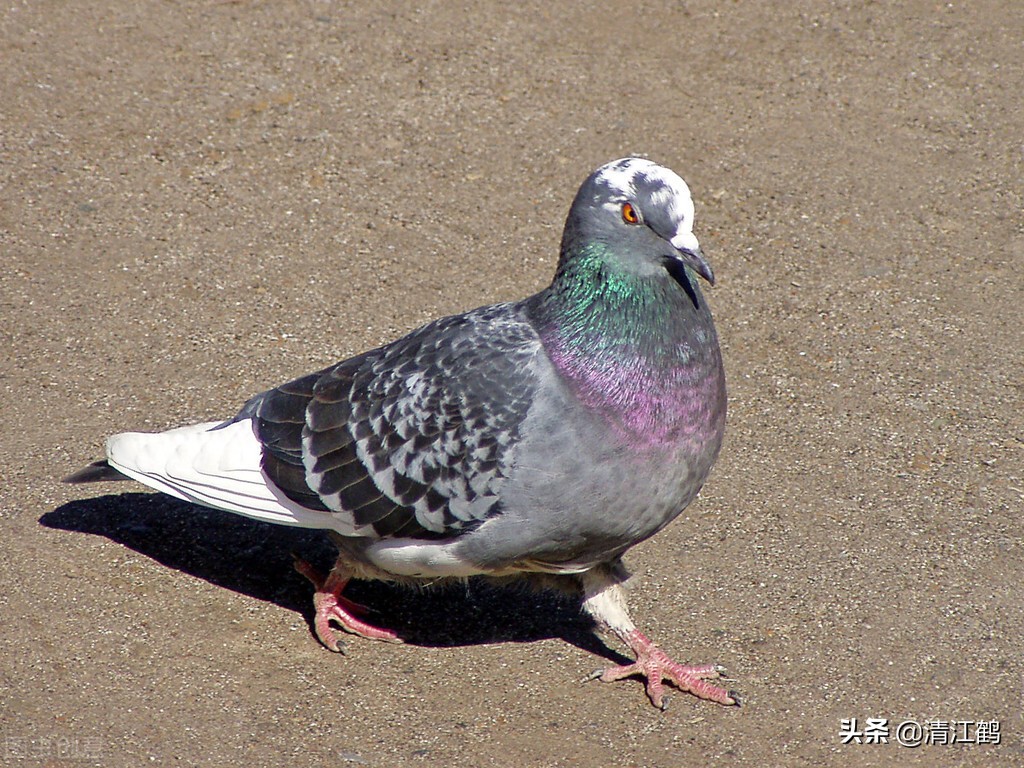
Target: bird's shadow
255, 559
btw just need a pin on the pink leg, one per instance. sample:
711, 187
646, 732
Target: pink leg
605, 601
655, 665
331, 604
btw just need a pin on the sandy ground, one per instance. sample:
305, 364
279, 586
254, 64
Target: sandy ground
201, 200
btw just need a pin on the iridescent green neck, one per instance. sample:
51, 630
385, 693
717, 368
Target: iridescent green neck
639, 348
594, 299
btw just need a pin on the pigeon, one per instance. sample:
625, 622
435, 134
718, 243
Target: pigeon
540, 438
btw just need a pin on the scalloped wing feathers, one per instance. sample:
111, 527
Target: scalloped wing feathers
413, 439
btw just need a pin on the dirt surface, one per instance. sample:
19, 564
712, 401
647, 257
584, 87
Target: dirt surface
202, 200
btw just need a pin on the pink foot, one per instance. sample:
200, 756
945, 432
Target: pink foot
331, 604
655, 665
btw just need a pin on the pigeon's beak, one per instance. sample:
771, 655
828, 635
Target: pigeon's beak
688, 251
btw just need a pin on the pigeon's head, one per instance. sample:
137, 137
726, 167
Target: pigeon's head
643, 212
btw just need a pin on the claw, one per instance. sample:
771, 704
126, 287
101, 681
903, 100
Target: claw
605, 601
655, 666
331, 605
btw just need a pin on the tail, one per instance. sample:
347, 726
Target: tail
97, 472
212, 464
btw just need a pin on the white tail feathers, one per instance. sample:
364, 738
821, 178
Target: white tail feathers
217, 468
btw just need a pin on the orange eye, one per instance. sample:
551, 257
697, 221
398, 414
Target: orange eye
629, 214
